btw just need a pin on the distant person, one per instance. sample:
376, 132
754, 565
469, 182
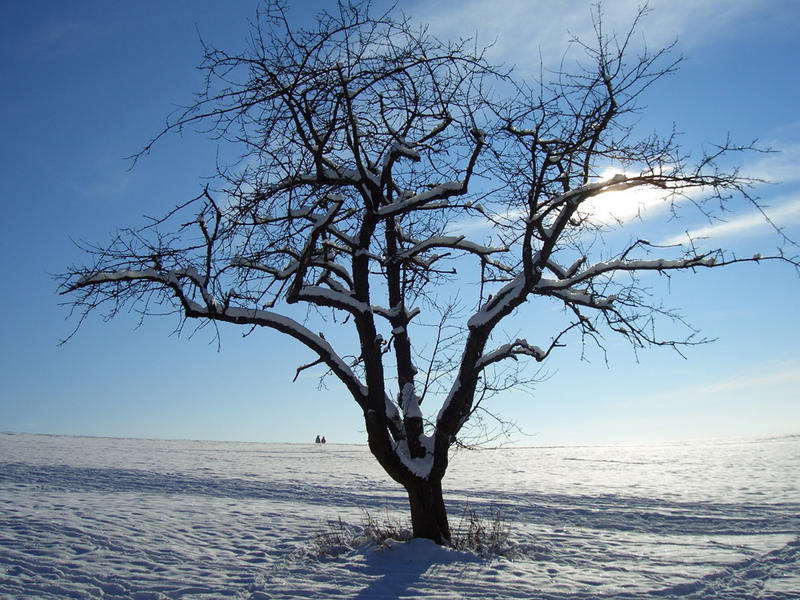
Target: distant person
323, 440
317, 441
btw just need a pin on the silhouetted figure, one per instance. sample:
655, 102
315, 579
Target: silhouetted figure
323, 439
317, 441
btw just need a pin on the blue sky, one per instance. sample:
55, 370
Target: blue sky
85, 84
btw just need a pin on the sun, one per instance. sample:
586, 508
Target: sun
620, 207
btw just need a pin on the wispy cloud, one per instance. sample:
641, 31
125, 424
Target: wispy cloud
741, 384
647, 203
520, 29
785, 213
779, 166
770, 377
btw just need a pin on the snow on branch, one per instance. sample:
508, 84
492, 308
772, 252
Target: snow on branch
457, 242
390, 314
513, 292
511, 350
400, 148
321, 222
322, 296
441, 191
546, 286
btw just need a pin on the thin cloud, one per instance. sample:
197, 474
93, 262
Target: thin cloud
791, 376
520, 29
778, 167
787, 374
787, 213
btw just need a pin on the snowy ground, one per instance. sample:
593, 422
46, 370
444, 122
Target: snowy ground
109, 518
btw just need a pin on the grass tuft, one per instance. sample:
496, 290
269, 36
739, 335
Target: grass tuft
483, 536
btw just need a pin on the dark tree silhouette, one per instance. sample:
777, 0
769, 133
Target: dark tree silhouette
411, 190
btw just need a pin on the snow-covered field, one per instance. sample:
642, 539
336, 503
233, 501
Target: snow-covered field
144, 519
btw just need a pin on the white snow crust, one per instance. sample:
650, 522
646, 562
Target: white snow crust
410, 402
421, 467
125, 519
425, 197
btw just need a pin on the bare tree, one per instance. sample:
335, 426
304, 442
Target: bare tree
408, 188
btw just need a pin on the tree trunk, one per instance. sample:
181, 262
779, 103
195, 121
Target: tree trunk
428, 514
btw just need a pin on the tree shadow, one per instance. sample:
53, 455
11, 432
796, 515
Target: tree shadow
396, 568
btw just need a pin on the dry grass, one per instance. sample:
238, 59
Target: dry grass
485, 536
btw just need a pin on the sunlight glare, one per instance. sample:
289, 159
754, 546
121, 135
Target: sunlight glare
620, 207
